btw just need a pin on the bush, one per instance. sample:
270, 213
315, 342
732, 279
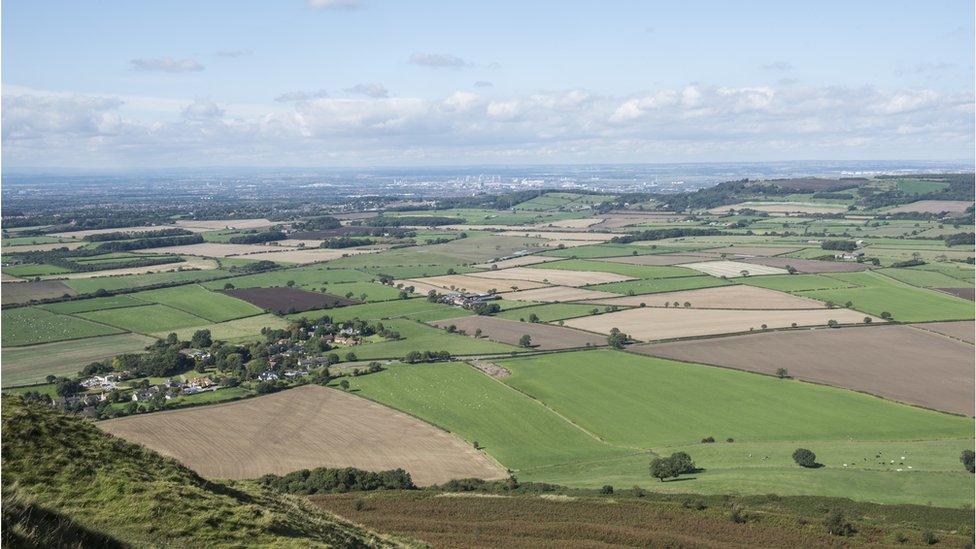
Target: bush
837, 525
805, 458
967, 458
708, 440
929, 538
606, 490
737, 514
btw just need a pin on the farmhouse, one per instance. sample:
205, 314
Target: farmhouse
268, 376
849, 256
467, 300
102, 382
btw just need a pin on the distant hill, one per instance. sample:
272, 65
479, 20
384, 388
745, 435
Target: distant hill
68, 484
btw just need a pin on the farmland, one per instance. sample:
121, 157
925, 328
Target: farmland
31, 364
145, 319
288, 300
544, 336
29, 325
303, 428
198, 301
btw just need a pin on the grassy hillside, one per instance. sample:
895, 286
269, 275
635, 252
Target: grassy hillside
75, 482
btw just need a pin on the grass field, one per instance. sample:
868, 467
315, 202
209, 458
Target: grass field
635, 271
594, 251
24, 271
926, 279
797, 283
94, 304
248, 328
417, 308
147, 319
644, 402
876, 293
372, 291
31, 364
311, 276
112, 283
650, 286
29, 325
514, 429
421, 337
548, 313
198, 301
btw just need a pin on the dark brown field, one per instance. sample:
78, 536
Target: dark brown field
808, 265
896, 362
288, 300
965, 293
544, 336
22, 292
957, 330
534, 521
749, 251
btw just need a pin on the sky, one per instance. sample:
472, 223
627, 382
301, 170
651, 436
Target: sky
321, 83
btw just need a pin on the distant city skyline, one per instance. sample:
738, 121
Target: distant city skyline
381, 83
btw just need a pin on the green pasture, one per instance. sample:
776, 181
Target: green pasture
93, 304
29, 325
796, 283
199, 301
925, 279
147, 319
636, 271
238, 330
31, 364
417, 336
651, 286
310, 276
125, 282
31, 269
418, 308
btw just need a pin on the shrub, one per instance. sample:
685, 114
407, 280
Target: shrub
606, 490
968, 459
929, 538
638, 492
837, 525
805, 458
737, 514
708, 440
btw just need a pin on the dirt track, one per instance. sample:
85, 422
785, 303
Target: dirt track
897, 362
305, 427
544, 336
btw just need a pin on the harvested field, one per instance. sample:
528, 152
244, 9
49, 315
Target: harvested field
732, 269
190, 263
781, 207
649, 323
572, 223
302, 257
933, 206
213, 249
518, 261
957, 330
896, 362
554, 276
4, 277
302, 428
659, 259
297, 243
721, 297
218, 224
288, 300
560, 235
808, 265
469, 283
82, 234
965, 293
557, 294
750, 251
27, 365
22, 292
545, 337
490, 368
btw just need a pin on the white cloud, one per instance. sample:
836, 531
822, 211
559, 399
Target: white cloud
288, 97
166, 64
334, 4
691, 123
483, 84
438, 61
369, 90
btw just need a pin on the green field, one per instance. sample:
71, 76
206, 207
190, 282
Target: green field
94, 304
29, 325
24, 271
147, 319
373, 291
238, 330
125, 282
311, 276
418, 308
796, 283
596, 251
199, 301
421, 337
549, 312
516, 430
651, 286
925, 279
877, 293
636, 271
31, 364
645, 402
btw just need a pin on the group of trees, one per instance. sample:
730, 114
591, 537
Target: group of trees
141, 243
659, 234
673, 466
617, 339
122, 235
839, 245
420, 220
415, 357
337, 242
325, 480
257, 237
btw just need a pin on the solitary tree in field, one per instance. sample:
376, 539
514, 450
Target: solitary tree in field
832, 323
525, 341
805, 458
617, 339
782, 373
867, 320
663, 468
344, 385
477, 333
968, 459
744, 272
533, 318
886, 315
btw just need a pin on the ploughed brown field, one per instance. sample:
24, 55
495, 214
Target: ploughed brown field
651, 323
963, 330
302, 428
544, 336
965, 293
933, 206
22, 292
807, 265
288, 300
721, 297
528, 521
897, 362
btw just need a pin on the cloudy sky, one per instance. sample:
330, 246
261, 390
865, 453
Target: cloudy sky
115, 84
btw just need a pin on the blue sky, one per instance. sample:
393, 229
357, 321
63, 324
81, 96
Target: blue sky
341, 82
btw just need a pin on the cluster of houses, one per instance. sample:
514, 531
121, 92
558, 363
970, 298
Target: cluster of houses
467, 300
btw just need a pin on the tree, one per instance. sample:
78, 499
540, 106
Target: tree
67, 387
968, 459
837, 525
351, 357
782, 373
791, 269
683, 463
477, 332
533, 318
344, 385
805, 458
617, 339
663, 468
201, 339
885, 315
867, 320
228, 286
525, 341
832, 323
172, 339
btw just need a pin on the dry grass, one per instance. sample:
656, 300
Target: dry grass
732, 269
218, 224
896, 362
305, 427
141, 228
721, 297
555, 276
469, 283
560, 235
22, 292
554, 294
650, 324
518, 261
933, 206
750, 251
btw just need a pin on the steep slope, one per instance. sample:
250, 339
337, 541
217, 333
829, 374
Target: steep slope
65, 479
